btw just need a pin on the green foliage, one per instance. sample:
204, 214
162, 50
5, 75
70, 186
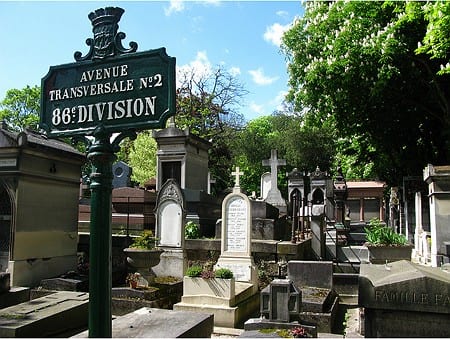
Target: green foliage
223, 273
356, 66
191, 230
380, 234
142, 157
20, 108
206, 272
145, 241
304, 147
194, 271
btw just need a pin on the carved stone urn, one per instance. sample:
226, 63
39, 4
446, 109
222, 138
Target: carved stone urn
143, 260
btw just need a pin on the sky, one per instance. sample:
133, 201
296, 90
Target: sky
242, 37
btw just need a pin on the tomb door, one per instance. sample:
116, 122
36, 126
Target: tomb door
171, 170
318, 197
5, 227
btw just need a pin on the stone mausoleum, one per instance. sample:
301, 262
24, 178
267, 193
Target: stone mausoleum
39, 188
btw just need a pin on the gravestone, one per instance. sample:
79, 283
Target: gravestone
266, 184
404, 299
274, 195
266, 225
122, 174
280, 308
411, 215
170, 221
320, 301
438, 180
236, 235
422, 249
230, 300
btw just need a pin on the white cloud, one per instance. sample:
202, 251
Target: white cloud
234, 71
258, 109
260, 79
282, 14
279, 101
274, 33
174, 6
200, 66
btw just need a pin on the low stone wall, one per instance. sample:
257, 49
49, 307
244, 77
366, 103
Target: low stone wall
268, 250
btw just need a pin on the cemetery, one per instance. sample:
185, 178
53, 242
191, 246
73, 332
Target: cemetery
116, 259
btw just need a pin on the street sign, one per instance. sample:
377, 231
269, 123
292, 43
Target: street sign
130, 91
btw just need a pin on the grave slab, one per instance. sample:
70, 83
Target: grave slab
159, 323
46, 316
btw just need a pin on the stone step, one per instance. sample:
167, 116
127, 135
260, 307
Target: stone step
352, 254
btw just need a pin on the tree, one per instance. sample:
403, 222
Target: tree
20, 108
142, 157
301, 146
356, 65
207, 104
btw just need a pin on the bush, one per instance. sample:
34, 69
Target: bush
145, 241
224, 273
379, 234
191, 230
194, 271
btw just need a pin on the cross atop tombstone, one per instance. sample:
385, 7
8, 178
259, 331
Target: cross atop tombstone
237, 175
274, 163
274, 195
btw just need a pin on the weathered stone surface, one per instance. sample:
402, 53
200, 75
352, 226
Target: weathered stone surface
403, 299
311, 273
46, 316
80, 283
158, 323
4, 282
406, 286
261, 209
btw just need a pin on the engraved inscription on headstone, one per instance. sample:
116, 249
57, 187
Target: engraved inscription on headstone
236, 225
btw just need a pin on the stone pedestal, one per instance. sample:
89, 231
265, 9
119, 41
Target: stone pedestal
317, 226
231, 302
173, 263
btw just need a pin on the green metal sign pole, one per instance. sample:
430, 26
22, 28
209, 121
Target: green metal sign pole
100, 318
109, 90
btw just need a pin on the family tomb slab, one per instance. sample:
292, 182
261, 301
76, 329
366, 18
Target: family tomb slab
404, 299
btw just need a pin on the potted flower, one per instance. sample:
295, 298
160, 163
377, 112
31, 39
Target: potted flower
132, 279
384, 244
143, 254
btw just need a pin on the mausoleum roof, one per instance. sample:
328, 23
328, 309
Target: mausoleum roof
35, 140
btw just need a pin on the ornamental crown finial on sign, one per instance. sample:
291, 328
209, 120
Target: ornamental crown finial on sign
107, 40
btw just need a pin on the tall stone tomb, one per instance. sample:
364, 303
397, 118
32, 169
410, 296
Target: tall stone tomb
183, 157
438, 180
39, 188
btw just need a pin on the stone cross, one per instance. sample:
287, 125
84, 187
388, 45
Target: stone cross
274, 162
237, 174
